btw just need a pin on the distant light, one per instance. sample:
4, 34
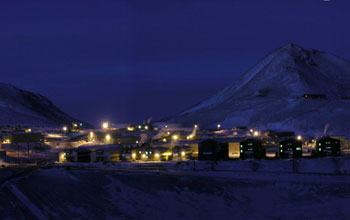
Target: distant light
241, 151
146, 127
256, 133
166, 126
299, 137
91, 134
196, 126
164, 139
137, 142
28, 130
133, 155
168, 133
219, 126
64, 128
131, 128
108, 137
175, 137
156, 155
251, 130
143, 155
81, 124
75, 125
183, 153
105, 125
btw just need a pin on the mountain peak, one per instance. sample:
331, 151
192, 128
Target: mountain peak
272, 93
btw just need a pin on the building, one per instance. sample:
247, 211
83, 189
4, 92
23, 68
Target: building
68, 155
290, 148
328, 146
83, 155
212, 150
252, 148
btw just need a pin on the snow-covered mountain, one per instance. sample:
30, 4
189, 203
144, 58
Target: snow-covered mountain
20, 107
270, 95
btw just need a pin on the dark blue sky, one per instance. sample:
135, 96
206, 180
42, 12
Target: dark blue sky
129, 60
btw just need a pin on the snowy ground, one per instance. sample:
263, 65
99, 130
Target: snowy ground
96, 193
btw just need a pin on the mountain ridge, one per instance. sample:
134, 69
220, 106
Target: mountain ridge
21, 107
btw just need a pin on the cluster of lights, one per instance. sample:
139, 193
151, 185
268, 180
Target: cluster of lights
7, 141
189, 137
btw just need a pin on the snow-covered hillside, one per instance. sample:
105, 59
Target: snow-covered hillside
20, 107
269, 96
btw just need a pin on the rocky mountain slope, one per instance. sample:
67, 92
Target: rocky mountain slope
20, 107
270, 95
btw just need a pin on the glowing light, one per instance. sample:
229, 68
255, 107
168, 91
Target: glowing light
28, 130
133, 155
164, 139
251, 130
175, 137
105, 125
91, 134
65, 128
166, 126
183, 153
168, 133
219, 126
167, 154
196, 126
75, 125
156, 155
140, 127
143, 155
108, 137
256, 133
299, 137
131, 128
7, 141
137, 142
146, 127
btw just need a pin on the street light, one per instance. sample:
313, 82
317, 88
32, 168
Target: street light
108, 137
175, 137
64, 128
105, 125
299, 137
219, 126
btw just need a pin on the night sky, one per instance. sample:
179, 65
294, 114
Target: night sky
126, 61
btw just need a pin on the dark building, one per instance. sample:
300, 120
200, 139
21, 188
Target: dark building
252, 148
26, 137
328, 146
291, 148
83, 155
281, 134
212, 150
